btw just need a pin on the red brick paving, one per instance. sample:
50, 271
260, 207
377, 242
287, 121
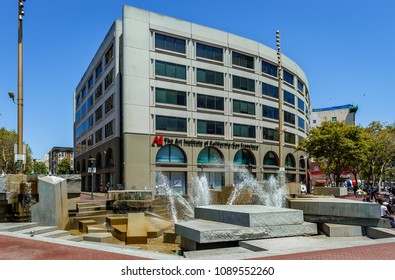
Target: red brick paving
13, 248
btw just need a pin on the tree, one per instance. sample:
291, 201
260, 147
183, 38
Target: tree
382, 153
64, 166
40, 168
337, 147
7, 140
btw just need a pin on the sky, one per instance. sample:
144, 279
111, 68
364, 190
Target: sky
345, 48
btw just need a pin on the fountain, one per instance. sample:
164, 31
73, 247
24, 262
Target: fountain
206, 226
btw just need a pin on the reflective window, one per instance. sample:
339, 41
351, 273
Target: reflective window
171, 70
243, 83
243, 107
210, 77
289, 97
300, 86
290, 161
289, 118
242, 60
269, 90
269, 68
170, 96
270, 159
170, 153
109, 79
99, 69
169, 43
270, 112
171, 123
301, 123
270, 134
289, 138
242, 130
209, 52
210, 155
300, 104
210, 102
244, 157
210, 127
288, 77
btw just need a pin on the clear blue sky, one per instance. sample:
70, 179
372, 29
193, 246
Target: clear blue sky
346, 49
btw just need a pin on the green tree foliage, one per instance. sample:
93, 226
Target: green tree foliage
337, 147
7, 140
64, 166
40, 168
382, 153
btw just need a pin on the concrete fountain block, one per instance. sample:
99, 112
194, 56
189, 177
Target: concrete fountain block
202, 234
136, 229
249, 215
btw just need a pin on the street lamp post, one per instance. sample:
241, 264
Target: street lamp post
20, 156
92, 170
280, 112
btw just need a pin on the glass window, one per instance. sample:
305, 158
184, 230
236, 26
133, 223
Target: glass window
98, 91
99, 69
78, 116
109, 104
301, 123
289, 97
243, 83
244, 157
90, 140
289, 118
170, 153
171, 70
171, 123
83, 93
90, 82
243, 107
302, 163
289, 138
89, 102
290, 161
270, 134
242, 130
210, 102
300, 86
99, 135
78, 99
98, 113
209, 52
242, 60
269, 90
109, 129
210, 155
83, 110
170, 96
269, 68
334, 119
270, 112
288, 77
169, 43
109, 79
300, 104
109, 54
210, 127
210, 77
270, 159
90, 121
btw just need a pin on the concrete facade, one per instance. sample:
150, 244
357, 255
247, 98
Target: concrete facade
243, 135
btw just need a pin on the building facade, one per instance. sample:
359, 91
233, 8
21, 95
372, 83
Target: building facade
166, 96
344, 113
56, 155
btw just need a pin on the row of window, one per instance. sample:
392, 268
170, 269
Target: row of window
176, 124
178, 45
177, 71
210, 155
97, 137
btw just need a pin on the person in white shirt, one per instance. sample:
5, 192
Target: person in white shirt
385, 214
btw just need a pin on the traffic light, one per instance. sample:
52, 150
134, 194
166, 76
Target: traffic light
21, 12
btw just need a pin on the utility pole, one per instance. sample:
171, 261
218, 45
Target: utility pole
280, 104
20, 157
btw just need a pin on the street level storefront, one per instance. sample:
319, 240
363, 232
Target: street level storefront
181, 160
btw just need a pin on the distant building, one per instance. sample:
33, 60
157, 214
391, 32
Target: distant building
344, 113
57, 154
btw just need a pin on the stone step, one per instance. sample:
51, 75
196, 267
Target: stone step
104, 237
91, 203
377, 233
119, 232
74, 238
249, 215
83, 224
11, 227
96, 228
339, 230
91, 213
136, 229
200, 234
55, 234
38, 230
116, 220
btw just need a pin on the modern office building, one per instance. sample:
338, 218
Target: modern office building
343, 113
57, 154
163, 95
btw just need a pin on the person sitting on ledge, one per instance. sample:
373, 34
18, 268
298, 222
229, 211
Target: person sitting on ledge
385, 214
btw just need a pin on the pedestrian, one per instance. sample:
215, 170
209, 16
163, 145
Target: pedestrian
385, 214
